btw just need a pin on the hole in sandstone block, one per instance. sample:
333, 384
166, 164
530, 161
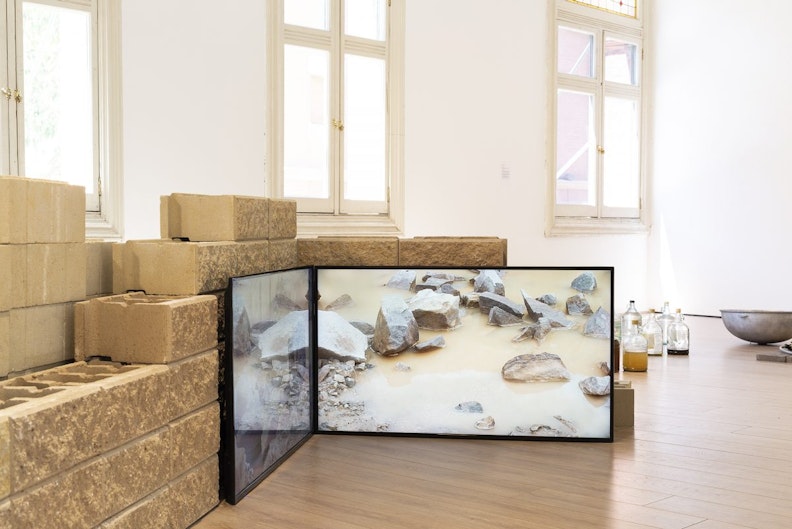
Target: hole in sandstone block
72, 378
27, 392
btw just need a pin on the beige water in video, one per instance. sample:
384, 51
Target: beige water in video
422, 399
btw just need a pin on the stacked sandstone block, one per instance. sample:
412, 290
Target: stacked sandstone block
113, 442
205, 240
109, 445
393, 251
42, 271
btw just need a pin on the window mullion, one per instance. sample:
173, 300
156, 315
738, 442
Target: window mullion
600, 120
8, 157
337, 103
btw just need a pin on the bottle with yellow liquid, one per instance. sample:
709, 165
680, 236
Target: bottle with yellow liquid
635, 356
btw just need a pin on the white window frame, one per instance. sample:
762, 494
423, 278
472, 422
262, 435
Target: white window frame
106, 223
390, 223
591, 220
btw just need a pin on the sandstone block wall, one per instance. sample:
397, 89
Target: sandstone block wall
453, 251
95, 443
128, 435
393, 251
206, 240
43, 268
225, 236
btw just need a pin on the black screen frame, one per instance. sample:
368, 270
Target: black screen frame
230, 479
235, 484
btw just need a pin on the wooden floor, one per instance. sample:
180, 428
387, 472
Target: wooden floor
711, 449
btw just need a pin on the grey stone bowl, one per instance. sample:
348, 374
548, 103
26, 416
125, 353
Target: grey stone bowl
759, 326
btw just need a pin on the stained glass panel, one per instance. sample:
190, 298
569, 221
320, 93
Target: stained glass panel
620, 7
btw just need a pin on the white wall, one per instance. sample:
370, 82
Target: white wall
194, 89
722, 155
476, 96
194, 109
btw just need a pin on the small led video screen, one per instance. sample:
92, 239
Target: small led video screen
512, 353
269, 374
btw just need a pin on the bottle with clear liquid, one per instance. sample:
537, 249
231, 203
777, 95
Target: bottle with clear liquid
665, 319
678, 336
631, 319
653, 334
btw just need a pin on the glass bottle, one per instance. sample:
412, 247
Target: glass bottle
631, 319
665, 319
633, 343
636, 357
678, 336
653, 334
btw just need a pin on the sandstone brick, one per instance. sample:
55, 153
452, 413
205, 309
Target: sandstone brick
13, 276
136, 470
55, 212
283, 254
41, 274
5, 458
98, 268
5, 343
193, 438
156, 267
452, 251
79, 502
193, 382
348, 251
54, 273
220, 296
13, 217
623, 407
202, 218
99, 448
112, 406
131, 404
152, 511
6, 277
195, 493
51, 434
40, 336
247, 258
138, 328
282, 219
184, 268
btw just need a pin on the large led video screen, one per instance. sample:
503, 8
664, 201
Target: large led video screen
513, 353
269, 374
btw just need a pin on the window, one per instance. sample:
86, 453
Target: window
597, 182
336, 118
59, 68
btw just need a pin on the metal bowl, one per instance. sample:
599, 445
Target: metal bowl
758, 326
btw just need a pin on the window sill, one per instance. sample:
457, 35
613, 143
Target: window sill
98, 227
348, 225
576, 226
